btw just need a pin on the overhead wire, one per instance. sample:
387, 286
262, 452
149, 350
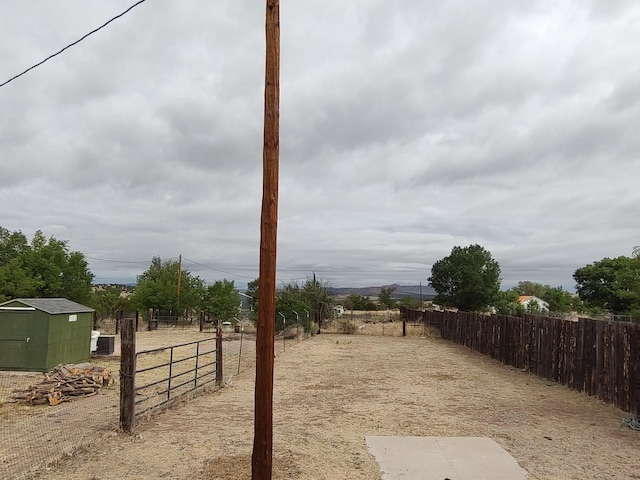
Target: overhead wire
216, 269
72, 44
114, 261
146, 262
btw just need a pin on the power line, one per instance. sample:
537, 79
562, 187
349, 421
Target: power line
114, 261
74, 43
189, 260
217, 269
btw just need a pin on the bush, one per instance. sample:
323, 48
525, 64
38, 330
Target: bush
346, 326
313, 328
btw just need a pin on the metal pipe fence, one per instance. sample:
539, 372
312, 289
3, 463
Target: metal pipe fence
189, 366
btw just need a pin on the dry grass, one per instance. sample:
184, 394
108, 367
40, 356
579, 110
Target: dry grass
379, 323
334, 390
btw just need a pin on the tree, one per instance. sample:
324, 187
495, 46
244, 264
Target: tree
611, 284
157, 288
42, 268
559, 300
222, 300
357, 302
410, 302
315, 294
253, 290
506, 303
469, 278
531, 288
385, 297
108, 301
288, 302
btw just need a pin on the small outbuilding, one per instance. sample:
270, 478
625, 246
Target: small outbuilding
37, 334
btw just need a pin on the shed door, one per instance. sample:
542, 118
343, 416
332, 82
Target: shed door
14, 339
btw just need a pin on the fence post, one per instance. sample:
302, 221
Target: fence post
404, 327
127, 374
118, 321
137, 319
201, 321
219, 374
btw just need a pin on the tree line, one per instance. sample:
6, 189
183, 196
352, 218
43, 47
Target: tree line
306, 305
42, 267
469, 279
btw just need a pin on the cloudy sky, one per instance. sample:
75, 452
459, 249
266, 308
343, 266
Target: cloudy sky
407, 127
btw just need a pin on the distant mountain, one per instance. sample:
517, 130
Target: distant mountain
401, 291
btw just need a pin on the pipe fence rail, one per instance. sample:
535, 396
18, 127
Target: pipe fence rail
188, 367
164, 374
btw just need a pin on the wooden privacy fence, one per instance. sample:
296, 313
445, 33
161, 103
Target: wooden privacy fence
601, 359
152, 378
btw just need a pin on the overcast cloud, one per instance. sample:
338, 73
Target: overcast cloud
407, 127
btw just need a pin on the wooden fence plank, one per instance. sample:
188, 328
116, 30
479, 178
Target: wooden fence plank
634, 384
598, 358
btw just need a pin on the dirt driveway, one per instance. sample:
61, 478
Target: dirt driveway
333, 390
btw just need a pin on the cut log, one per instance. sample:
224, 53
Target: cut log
63, 383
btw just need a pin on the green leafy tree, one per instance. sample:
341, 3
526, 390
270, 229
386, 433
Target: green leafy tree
289, 301
313, 297
531, 288
42, 268
222, 300
315, 294
253, 290
358, 302
611, 284
12, 245
16, 281
157, 288
108, 301
559, 300
385, 297
506, 302
410, 302
469, 278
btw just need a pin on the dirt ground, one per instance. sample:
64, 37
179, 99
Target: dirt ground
333, 390
33, 436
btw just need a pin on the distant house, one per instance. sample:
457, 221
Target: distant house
527, 300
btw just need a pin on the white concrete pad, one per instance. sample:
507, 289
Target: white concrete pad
440, 458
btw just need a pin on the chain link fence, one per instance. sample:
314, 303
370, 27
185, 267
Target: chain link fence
33, 436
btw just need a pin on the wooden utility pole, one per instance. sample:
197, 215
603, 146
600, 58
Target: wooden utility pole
179, 276
261, 460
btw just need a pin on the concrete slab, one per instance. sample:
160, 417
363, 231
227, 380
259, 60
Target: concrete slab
442, 458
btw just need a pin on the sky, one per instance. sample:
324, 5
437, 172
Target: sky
408, 127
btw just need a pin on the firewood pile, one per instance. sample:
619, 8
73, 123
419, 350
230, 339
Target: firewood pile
65, 383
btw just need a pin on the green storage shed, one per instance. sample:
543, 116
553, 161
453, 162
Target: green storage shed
37, 334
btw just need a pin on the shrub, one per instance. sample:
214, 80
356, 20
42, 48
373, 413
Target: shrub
313, 328
346, 326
